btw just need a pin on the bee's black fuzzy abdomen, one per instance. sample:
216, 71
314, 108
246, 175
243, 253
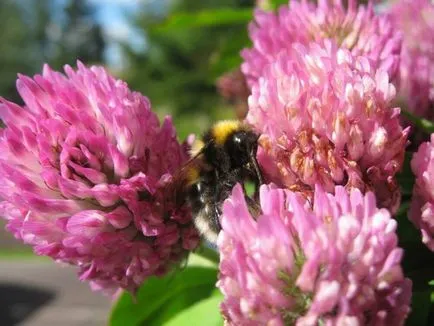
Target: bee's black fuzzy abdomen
205, 209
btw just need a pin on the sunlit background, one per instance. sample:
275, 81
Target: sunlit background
173, 51
162, 50
169, 57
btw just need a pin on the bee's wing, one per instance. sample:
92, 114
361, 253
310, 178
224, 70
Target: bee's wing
177, 188
253, 206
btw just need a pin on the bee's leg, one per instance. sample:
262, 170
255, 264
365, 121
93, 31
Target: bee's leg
216, 216
217, 201
254, 207
252, 202
223, 188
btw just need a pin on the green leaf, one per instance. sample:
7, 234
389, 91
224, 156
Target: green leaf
205, 252
406, 177
205, 312
275, 4
431, 314
215, 17
176, 305
431, 283
420, 308
408, 235
424, 124
417, 262
159, 299
421, 278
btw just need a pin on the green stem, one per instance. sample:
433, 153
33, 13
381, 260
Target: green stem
403, 209
208, 253
422, 123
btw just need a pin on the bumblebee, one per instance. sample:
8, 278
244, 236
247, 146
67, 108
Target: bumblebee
226, 155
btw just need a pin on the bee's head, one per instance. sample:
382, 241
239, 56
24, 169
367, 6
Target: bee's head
242, 146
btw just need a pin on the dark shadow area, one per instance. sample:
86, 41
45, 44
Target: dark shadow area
18, 302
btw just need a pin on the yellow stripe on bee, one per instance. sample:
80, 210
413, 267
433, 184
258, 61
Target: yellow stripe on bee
196, 147
221, 130
192, 175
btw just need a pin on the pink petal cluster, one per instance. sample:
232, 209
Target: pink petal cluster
422, 206
336, 263
325, 117
355, 27
415, 19
83, 165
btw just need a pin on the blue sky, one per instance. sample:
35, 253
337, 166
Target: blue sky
115, 17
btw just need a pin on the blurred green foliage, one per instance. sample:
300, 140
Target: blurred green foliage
79, 37
191, 45
172, 299
34, 32
188, 48
17, 50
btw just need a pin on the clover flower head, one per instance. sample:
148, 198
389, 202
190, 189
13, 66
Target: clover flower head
414, 18
355, 27
325, 116
335, 263
83, 165
422, 206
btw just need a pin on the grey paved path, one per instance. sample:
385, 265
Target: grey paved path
41, 293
